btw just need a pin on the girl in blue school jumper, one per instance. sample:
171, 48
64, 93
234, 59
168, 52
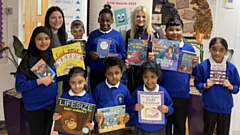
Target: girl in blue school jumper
150, 73
117, 47
217, 98
177, 83
38, 94
77, 79
112, 92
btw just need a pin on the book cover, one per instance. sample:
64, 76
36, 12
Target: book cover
137, 51
112, 118
185, 64
82, 44
66, 57
103, 47
74, 116
166, 53
218, 72
41, 69
150, 114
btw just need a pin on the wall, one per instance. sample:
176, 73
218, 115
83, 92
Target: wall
11, 26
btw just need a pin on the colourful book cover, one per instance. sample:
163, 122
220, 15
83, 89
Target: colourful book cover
137, 51
103, 47
185, 64
112, 118
74, 116
82, 43
150, 114
41, 69
66, 57
166, 53
218, 72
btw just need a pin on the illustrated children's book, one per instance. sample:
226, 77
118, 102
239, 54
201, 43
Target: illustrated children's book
150, 114
66, 57
185, 64
41, 69
218, 72
103, 47
74, 116
137, 51
112, 118
82, 43
166, 53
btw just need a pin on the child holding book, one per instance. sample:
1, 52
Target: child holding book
111, 92
77, 79
38, 94
177, 83
150, 73
116, 46
217, 98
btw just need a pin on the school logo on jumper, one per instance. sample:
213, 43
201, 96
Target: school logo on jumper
120, 98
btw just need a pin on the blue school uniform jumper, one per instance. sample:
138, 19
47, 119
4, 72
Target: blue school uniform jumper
151, 127
117, 47
83, 97
178, 87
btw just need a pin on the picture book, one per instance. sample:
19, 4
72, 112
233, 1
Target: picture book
166, 53
185, 64
66, 57
112, 118
218, 72
137, 51
82, 44
41, 69
150, 114
74, 116
103, 47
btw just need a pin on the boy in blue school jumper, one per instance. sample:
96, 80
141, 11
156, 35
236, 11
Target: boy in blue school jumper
77, 79
77, 30
117, 47
112, 92
150, 73
177, 83
217, 98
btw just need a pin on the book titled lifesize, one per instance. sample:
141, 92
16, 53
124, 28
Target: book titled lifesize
218, 73
150, 114
185, 64
112, 118
74, 116
103, 47
137, 51
41, 69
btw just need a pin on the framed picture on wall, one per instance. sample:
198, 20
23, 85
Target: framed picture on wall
182, 4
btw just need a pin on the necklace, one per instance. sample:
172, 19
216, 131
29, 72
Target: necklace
140, 35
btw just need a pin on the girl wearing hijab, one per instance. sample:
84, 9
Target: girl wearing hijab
38, 94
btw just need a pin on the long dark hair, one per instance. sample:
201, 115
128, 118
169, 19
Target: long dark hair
62, 30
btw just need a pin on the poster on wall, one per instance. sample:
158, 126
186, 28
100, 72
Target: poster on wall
73, 10
122, 10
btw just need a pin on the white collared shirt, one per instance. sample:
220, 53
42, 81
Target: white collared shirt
155, 90
181, 44
110, 86
105, 32
71, 93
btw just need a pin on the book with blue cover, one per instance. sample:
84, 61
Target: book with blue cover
103, 47
137, 51
166, 53
185, 64
41, 69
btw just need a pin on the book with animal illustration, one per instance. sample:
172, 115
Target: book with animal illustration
166, 53
218, 72
103, 47
150, 114
66, 57
137, 51
112, 118
185, 64
41, 69
82, 43
74, 116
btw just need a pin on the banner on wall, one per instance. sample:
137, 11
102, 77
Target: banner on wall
122, 10
73, 10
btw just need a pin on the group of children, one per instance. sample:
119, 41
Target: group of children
105, 79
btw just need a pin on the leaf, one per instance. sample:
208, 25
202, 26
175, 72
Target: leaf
18, 47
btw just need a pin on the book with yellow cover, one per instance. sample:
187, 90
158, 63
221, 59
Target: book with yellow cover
66, 57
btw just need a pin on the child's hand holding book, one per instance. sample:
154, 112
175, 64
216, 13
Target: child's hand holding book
227, 84
195, 61
208, 84
90, 125
138, 107
47, 80
163, 108
98, 117
56, 116
126, 118
94, 55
